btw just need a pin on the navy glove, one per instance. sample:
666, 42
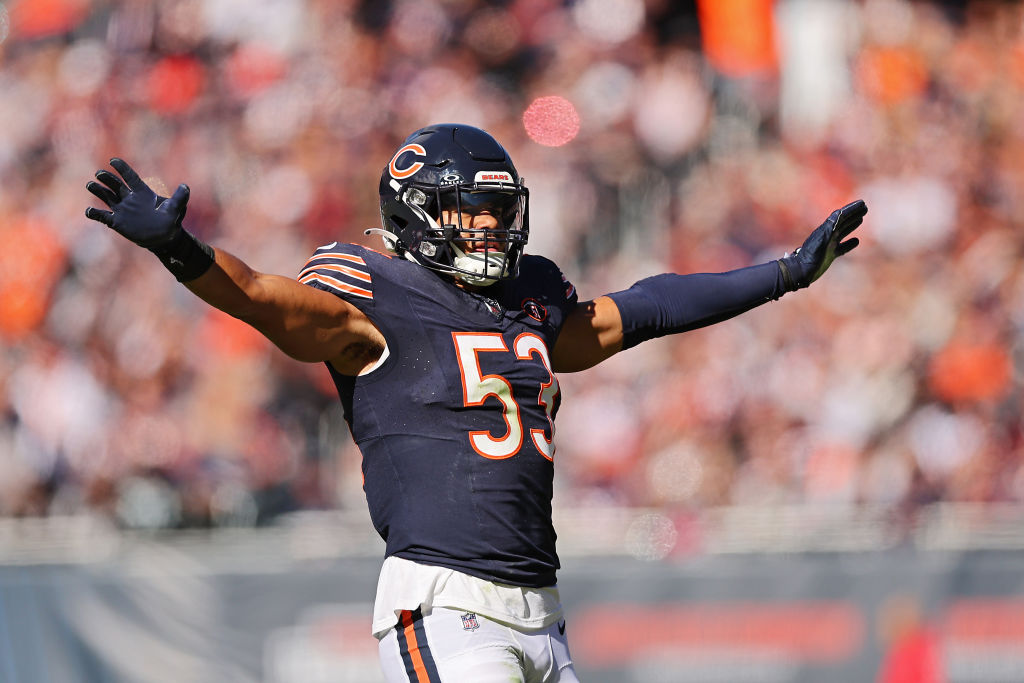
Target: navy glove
136, 211
149, 220
822, 247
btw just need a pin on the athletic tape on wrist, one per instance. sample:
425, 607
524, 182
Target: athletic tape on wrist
186, 256
789, 283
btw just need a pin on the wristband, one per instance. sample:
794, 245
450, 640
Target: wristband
788, 282
669, 303
185, 255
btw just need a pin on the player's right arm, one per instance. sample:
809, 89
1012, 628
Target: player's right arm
306, 323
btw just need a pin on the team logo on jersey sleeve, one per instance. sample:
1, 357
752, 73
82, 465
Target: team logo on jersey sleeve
535, 310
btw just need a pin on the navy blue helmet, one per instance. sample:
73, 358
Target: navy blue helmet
458, 170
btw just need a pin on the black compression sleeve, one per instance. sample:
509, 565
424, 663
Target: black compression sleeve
666, 304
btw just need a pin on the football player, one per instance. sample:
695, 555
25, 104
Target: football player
445, 351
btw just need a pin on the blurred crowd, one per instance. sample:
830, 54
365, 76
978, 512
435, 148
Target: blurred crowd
684, 136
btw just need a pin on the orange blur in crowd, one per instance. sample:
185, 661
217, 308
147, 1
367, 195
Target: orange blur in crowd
894, 381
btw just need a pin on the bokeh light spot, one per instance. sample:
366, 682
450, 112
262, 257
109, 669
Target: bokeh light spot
31, 19
84, 67
252, 68
611, 21
174, 84
551, 121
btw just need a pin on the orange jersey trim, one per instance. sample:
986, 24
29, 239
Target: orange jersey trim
337, 284
351, 272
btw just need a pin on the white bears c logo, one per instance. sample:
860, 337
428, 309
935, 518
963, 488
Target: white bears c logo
400, 173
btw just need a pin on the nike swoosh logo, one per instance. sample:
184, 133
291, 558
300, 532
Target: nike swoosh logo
561, 628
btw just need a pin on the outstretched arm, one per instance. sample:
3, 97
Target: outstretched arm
306, 323
669, 303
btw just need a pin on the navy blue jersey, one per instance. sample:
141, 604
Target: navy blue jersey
455, 425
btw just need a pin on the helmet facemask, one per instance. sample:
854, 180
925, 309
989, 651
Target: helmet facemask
477, 256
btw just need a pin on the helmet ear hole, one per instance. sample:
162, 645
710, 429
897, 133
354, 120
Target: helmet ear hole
397, 213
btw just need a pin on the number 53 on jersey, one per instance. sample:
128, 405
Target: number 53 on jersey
477, 388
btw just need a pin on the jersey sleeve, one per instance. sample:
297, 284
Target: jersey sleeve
549, 279
341, 270
571, 297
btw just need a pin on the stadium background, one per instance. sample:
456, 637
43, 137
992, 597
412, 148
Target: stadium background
852, 451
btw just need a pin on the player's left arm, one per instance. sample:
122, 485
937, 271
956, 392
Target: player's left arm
592, 332
669, 303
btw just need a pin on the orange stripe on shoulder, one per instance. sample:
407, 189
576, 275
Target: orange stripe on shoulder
351, 272
336, 284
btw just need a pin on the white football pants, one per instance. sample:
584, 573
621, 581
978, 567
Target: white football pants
448, 646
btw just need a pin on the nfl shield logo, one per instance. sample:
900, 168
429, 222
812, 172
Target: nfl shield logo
469, 622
